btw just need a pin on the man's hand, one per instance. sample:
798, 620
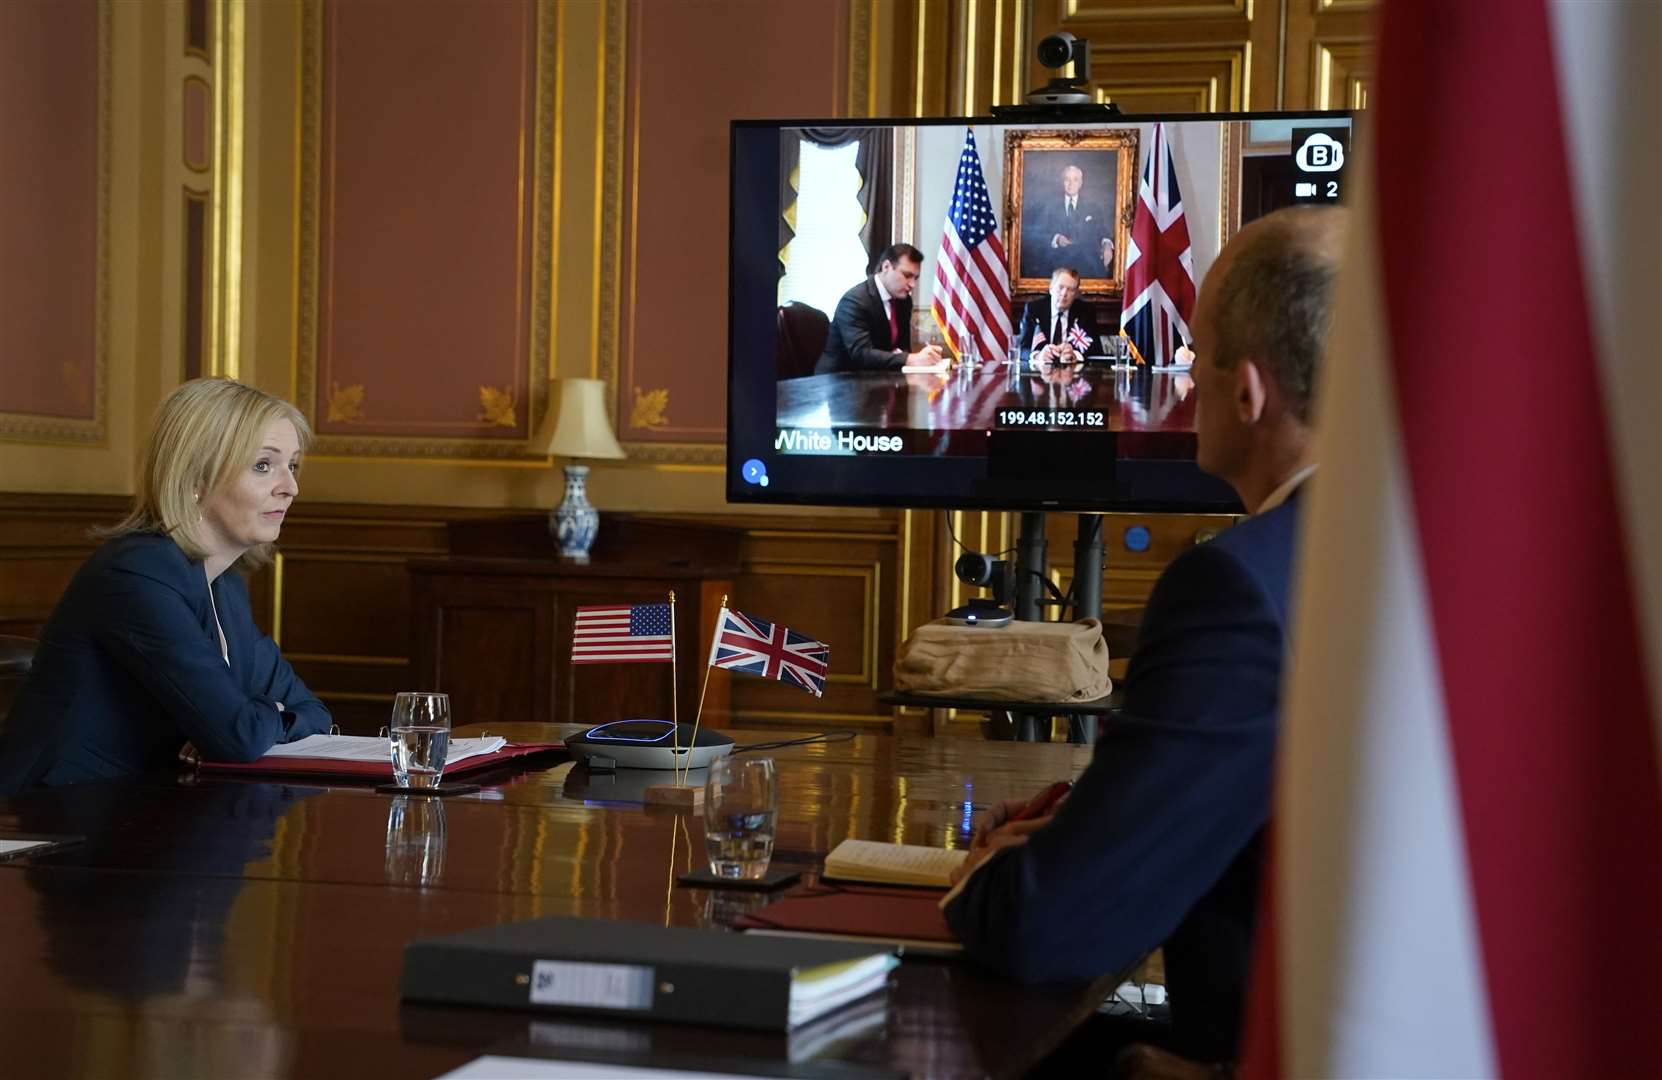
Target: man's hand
1061, 240
1065, 353
996, 816
1010, 834
929, 354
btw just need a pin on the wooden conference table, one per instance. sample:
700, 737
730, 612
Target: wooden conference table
216, 927
972, 400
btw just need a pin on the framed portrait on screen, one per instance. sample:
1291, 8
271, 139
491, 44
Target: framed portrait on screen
1068, 201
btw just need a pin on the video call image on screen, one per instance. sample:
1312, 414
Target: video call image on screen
946, 288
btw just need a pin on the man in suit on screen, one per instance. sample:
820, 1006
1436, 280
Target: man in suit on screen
1160, 842
1059, 327
872, 329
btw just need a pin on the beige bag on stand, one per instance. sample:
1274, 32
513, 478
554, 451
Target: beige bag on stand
1020, 661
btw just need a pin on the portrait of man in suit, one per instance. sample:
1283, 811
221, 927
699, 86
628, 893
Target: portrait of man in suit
1066, 195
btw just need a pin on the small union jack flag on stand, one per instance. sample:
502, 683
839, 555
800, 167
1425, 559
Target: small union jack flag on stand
1078, 338
758, 647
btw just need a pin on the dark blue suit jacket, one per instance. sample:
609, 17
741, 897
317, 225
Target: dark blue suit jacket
129, 668
1161, 839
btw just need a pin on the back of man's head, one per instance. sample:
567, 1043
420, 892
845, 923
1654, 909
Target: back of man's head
1274, 304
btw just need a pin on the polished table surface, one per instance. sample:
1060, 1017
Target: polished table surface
244, 928
972, 400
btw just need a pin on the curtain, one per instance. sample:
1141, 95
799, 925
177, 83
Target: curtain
874, 161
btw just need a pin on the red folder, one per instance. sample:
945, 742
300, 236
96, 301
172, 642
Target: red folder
877, 911
380, 771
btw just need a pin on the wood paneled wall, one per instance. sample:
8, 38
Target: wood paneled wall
337, 598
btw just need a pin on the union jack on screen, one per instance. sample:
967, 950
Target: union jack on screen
758, 647
623, 634
972, 281
1079, 338
1159, 265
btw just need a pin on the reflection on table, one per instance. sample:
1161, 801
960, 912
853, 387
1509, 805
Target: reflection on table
238, 927
967, 398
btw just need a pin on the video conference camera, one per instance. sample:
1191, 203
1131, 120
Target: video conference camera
1064, 97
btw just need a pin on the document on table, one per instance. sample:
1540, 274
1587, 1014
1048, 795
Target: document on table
892, 864
499, 1067
375, 748
9, 848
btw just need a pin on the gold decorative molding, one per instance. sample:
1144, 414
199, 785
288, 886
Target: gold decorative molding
468, 449
346, 403
224, 352
497, 406
651, 408
206, 91
1107, 11
1217, 74
40, 428
1340, 74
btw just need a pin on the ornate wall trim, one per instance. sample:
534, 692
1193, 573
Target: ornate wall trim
35, 428
539, 164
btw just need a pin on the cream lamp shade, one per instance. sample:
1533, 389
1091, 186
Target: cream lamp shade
581, 429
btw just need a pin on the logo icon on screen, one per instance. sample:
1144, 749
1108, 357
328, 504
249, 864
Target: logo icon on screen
1320, 153
754, 472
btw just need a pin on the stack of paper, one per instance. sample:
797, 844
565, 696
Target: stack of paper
817, 991
370, 748
892, 864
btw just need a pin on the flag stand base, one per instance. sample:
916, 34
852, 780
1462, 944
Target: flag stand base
679, 796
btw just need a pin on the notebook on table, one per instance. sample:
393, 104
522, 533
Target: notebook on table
369, 757
893, 864
907, 917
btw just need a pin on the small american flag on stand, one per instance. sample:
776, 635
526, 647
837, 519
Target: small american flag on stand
972, 282
1038, 337
758, 647
623, 634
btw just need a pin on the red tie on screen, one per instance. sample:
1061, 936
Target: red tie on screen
894, 327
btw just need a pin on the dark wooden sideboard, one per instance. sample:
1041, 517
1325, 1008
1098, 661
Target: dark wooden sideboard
492, 623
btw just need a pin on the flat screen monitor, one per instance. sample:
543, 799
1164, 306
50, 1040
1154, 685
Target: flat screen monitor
835, 391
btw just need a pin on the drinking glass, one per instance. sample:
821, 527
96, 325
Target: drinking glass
741, 805
420, 733
415, 841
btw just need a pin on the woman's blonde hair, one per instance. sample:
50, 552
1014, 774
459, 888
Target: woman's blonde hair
205, 434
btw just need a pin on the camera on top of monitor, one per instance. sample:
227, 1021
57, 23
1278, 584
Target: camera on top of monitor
1066, 97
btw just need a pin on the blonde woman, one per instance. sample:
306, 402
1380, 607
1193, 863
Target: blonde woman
152, 651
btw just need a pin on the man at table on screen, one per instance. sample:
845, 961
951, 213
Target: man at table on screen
1059, 327
872, 330
1159, 843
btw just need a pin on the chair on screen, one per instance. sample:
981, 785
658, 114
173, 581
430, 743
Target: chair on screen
802, 333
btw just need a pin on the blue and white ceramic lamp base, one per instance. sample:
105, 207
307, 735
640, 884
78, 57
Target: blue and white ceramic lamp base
575, 521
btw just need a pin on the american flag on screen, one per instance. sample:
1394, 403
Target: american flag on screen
623, 634
972, 282
1159, 267
758, 647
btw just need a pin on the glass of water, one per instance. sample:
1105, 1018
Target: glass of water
420, 732
741, 804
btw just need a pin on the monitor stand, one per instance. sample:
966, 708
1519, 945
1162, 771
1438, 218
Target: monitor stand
1031, 548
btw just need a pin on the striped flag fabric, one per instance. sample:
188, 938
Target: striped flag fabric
758, 647
972, 279
1466, 876
623, 634
1159, 264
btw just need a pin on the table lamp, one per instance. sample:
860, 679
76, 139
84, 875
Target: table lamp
581, 430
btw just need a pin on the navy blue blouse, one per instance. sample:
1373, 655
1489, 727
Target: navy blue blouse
129, 668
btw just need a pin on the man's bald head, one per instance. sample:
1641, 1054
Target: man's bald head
1273, 298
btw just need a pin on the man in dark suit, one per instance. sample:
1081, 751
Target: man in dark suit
1067, 229
1047, 332
872, 329
1160, 842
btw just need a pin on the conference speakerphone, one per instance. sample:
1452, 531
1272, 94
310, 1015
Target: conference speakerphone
650, 744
